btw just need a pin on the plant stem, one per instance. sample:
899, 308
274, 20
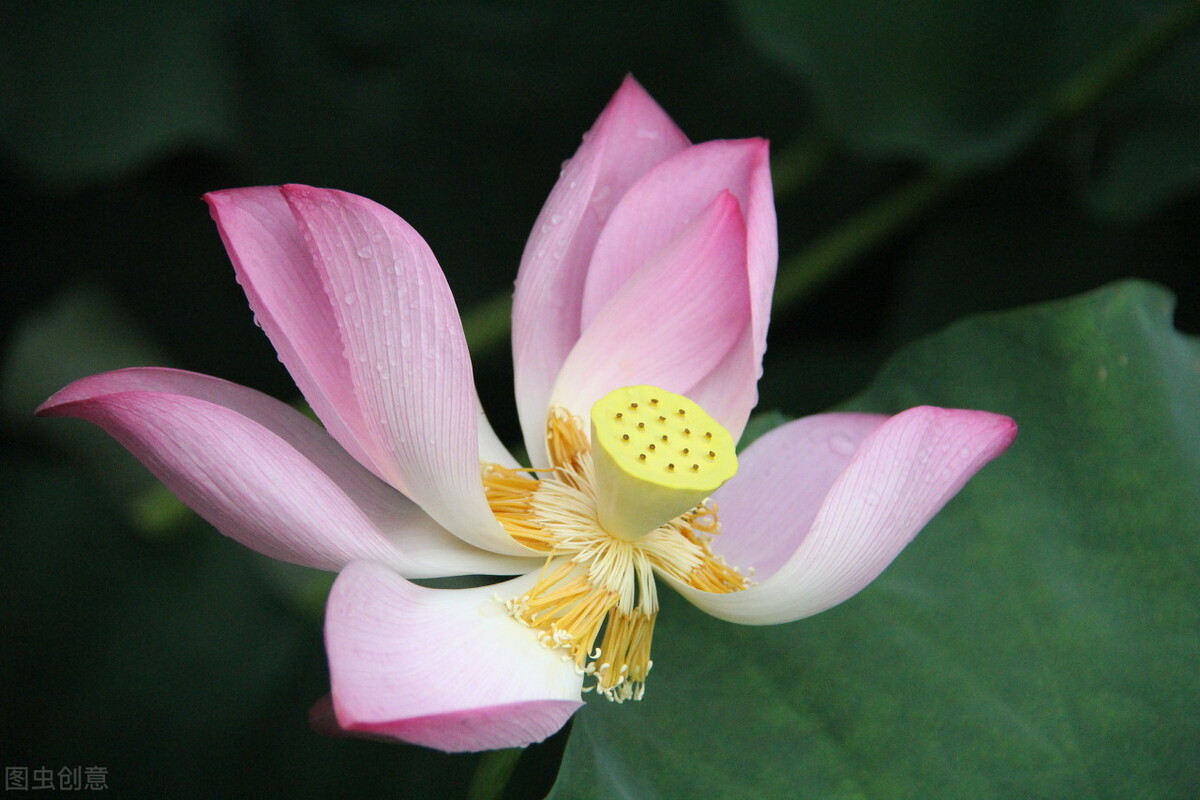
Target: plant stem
833, 253
801, 275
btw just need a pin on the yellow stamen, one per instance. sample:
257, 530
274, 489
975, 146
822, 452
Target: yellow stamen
597, 587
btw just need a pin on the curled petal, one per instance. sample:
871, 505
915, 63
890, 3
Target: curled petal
655, 210
672, 320
290, 303
265, 475
448, 669
898, 477
416, 413
631, 135
762, 527
667, 198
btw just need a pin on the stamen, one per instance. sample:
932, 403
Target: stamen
595, 601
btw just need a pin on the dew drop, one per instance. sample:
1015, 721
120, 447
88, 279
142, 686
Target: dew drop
364, 252
556, 219
351, 298
871, 498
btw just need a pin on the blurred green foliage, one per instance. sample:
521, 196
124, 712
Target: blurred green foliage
935, 160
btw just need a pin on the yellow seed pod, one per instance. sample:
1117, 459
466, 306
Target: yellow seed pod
657, 454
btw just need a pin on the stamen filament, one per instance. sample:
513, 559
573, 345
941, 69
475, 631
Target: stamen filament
596, 586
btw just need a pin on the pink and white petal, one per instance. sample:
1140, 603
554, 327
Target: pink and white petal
672, 321
901, 475
667, 198
729, 392
289, 301
631, 135
444, 668
407, 358
783, 477
267, 476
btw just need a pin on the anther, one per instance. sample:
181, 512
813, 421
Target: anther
664, 437
641, 425
711, 454
687, 431
651, 447
685, 451
642, 457
633, 405
671, 467
662, 419
708, 434
625, 437
619, 415
682, 412
653, 401
695, 467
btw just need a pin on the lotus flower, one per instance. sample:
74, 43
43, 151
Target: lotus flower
639, 325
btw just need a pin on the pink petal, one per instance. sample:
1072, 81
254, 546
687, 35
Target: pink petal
729, 392
667, 198
265, 475
416, 413
631, 135
672, 321
902, 473
443, 668
655, 209
292, 295
761, 529
290, 303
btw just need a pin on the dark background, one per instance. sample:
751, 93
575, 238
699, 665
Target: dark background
931, 162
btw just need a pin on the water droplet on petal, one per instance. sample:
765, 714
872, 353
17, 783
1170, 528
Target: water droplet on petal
351, 298
557, 218
364, 252
871, 498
